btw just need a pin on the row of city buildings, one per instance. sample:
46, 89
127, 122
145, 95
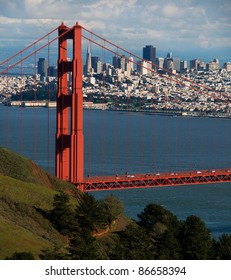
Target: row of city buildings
128, 84
150, 63
127, 65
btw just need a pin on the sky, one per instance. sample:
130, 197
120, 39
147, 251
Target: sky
188, 28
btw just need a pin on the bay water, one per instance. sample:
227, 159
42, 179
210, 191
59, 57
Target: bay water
117, 142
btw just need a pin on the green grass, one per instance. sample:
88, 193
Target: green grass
16, 166
25, 189
15, 238
21, 168
31, 194
22, 227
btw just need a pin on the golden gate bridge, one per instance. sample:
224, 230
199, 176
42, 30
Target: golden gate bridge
69, 116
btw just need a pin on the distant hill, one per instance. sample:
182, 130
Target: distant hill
25, 188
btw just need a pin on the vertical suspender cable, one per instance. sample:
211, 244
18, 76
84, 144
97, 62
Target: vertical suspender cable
7, 107
48, 106
140, 129
90, 142
115, 138
102, 153
165, 132
176, 142
35, 100
20, 126
189, 128
127, 126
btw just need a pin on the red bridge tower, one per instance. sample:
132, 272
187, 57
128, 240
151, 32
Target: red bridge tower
69, 126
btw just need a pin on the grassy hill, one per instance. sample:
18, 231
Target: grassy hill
25, 188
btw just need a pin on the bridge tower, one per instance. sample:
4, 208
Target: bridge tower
69, 119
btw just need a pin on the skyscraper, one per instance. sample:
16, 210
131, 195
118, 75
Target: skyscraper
183, 65
42, 67
149, 53
119, 62
88, 67
94, 61
176, 64
194, 64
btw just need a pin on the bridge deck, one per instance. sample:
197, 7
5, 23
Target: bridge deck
131, 181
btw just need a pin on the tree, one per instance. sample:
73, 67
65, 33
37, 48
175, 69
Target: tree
196, 240
168, 246
157, 219
21, 256
82, 246
90, 215
54, 254
108, 246
62, 215
134, 244
112, 208
163, 229
222, 247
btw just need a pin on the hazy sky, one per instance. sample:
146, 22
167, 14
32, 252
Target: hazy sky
181, 26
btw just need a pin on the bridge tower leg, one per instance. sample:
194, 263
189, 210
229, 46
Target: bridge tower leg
69, 120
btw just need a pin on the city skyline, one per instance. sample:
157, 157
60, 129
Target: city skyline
187, 27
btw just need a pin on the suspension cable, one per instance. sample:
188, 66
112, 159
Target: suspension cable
31, 45
32, 53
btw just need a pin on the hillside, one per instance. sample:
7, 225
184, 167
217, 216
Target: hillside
21, 168
25, 188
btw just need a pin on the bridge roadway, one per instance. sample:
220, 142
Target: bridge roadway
132, 181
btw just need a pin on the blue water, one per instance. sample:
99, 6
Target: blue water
119, 142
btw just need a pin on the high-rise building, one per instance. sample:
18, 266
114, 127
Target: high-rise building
52, 71
176, 64
227, 66
119, 62
144, 67
99, 67
88, 66
42, 67
183, 65
129, 66
94, 61
159, 61
202, 66
194, 64
168, 62
115, 62
213, 65
169, 55
149, 53
144, 70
